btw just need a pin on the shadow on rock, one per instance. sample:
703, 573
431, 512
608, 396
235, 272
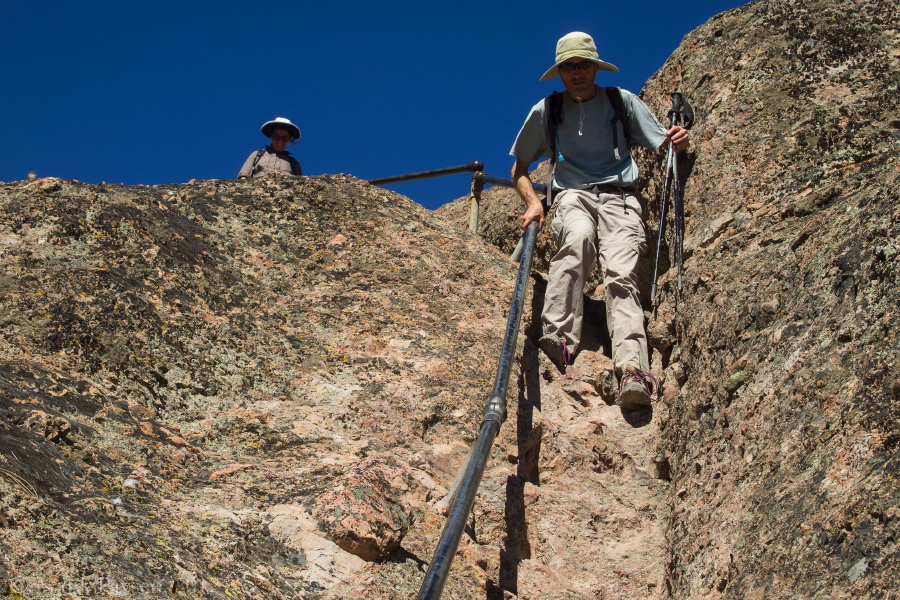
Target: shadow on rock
638, 417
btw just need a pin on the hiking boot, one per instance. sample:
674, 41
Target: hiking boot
636, 389
556, 350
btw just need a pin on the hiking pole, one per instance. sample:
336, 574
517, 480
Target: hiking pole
494, 415
679, 219
662, 219
681, 114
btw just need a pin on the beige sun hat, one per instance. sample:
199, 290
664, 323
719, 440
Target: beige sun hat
280, 123
576, 45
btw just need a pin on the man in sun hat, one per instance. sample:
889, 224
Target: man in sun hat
274, 157
598, 214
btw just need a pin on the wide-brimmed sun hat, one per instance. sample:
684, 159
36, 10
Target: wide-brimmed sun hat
280, 123
576, 45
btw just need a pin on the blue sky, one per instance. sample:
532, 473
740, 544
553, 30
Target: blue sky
163, 92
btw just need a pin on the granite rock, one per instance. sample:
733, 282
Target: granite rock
265, 389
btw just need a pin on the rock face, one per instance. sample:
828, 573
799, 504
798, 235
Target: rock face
779, 421
231, 386
785, 427
265, 389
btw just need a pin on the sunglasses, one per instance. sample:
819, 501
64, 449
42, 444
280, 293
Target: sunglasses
280, 138
581, 66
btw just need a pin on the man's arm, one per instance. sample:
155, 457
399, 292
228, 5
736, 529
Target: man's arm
246, 170
646, 128
534, 209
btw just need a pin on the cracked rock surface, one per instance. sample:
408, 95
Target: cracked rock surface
265, 389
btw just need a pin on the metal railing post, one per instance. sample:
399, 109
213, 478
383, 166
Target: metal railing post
483, 178
475, 202
494, 415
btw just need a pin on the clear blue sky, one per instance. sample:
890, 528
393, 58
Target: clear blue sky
164, 92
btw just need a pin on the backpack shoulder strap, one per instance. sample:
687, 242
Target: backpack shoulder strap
553, 110
256, 160
620, 116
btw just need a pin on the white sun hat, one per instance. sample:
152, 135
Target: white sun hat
280, 123
576, 45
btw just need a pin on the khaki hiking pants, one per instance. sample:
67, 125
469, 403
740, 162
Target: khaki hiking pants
591, 225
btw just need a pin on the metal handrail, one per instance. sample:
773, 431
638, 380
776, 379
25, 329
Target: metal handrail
467, 168
484, 178
494, 415
479, 179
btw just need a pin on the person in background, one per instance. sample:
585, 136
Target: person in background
598, 212
274, 157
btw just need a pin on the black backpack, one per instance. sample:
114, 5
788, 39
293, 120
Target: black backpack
553, 108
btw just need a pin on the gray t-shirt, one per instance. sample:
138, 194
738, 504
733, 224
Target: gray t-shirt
586, 141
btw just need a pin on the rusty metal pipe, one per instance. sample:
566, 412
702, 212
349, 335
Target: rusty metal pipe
467, 168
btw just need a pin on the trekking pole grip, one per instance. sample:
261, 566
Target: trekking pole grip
682, 113
675, 112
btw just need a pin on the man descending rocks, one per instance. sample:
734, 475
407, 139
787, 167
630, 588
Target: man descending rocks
586, 132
